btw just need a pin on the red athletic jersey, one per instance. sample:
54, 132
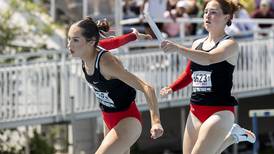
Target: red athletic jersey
116, 42
183, 80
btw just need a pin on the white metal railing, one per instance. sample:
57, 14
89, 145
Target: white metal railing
29, 91
254, 68
52, 91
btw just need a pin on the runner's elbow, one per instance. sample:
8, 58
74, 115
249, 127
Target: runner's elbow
148, 88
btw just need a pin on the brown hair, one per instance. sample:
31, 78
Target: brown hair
90, 29
228, 7
103, 25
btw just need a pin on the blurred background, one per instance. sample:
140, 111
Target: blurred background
47, 107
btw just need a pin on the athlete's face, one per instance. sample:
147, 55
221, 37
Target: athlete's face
214, 18
77, 44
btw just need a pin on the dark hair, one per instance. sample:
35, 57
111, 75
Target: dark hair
228, 7
90, 29
170, 6
103, 25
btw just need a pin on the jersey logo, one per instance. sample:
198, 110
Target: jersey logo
104, 99
95, 82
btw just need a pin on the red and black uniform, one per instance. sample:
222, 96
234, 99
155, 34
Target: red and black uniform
211, 87
116, 98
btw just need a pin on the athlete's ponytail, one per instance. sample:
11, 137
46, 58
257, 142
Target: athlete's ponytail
103, 26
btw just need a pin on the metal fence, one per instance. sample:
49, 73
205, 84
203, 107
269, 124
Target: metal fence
55, 90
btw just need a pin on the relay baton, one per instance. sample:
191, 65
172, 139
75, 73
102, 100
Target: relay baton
154, 27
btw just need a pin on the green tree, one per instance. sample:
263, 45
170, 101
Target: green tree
8, 32
39, 145
38, 29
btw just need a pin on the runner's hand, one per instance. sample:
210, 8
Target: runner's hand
169, 46
156, 131
165, 91
141, 36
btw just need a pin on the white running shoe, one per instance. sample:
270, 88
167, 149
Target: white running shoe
241, 134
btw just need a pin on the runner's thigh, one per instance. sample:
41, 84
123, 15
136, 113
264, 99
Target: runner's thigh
212, 132
120, 138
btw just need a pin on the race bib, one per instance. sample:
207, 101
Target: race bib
103, 97
201, 81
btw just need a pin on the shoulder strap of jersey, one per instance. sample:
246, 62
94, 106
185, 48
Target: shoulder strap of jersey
101, 51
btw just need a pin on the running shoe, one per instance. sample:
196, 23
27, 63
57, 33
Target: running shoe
241, 134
